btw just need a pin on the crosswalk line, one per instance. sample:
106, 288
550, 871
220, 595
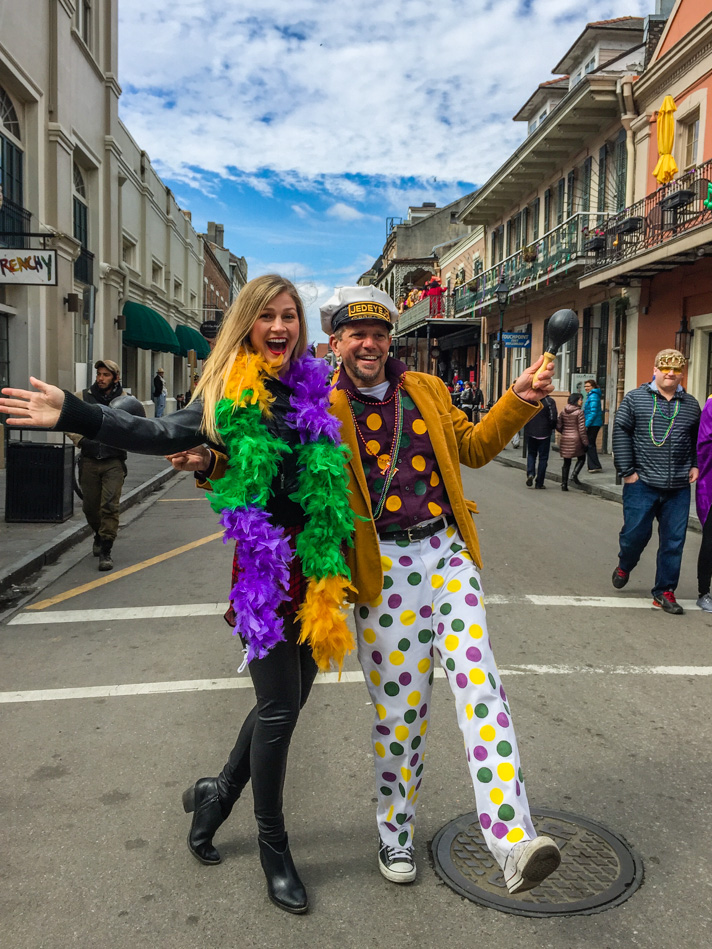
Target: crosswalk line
124, 614
329, 678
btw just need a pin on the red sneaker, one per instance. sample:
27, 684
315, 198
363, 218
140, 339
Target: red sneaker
619, 578
666, 601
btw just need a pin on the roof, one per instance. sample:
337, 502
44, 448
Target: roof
625, 25
541, 93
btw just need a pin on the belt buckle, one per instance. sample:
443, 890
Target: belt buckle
409, 532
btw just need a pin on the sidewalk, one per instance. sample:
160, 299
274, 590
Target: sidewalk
25, 548
601, 485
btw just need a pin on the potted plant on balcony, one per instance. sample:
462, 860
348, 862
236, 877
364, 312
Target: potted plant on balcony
529, 254
594, 240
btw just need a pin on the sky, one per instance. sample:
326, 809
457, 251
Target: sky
302, 125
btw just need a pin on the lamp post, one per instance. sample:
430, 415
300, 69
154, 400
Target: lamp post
501, 291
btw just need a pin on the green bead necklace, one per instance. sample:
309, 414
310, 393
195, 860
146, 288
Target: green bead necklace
671, 421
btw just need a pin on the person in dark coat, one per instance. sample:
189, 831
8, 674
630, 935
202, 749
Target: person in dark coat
593, 416
574, 441
537, 432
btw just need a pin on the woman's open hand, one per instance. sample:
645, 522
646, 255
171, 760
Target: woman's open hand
39, 409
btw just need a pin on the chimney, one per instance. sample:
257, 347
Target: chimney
219, 235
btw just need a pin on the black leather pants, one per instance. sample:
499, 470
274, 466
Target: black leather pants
282, 681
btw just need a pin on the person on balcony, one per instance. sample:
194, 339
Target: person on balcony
593, 417
655, 453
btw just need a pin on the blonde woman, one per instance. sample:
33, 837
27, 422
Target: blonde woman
262, 403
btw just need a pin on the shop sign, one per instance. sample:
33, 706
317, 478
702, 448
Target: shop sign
517, 340
20, 267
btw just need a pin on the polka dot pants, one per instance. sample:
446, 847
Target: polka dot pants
432, 605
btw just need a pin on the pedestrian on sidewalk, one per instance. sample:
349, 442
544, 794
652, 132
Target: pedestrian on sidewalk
703, 502
574, 441
264, 401
537, 432
159, 393
593, 416
102, 469
415, 567
655, 453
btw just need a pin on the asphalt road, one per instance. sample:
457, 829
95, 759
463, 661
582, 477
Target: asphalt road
611, 706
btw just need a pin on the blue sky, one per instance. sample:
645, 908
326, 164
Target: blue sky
301, 125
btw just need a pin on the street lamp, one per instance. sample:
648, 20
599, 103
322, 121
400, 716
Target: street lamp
501, 291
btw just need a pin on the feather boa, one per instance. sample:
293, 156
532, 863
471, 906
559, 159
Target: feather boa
242, 494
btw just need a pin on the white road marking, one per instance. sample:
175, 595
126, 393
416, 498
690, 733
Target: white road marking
119, 613
329, 678
217, 609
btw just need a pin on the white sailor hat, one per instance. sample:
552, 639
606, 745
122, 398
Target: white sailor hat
349, 304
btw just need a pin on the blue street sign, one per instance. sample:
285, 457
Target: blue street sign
517, 340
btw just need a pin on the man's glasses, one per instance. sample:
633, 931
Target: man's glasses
665, 368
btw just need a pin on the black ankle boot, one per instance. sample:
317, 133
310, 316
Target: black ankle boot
105, 561
575, 475
285, 888
564, 484
208, 814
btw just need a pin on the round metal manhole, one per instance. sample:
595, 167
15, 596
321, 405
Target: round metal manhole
598, 868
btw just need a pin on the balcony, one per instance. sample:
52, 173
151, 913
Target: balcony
14, 225
673, 211
429, 308
535, 266
84, 267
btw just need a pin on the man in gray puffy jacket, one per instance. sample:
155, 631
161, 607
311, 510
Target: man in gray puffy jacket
655, 453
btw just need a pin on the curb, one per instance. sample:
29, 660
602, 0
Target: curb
596, 490
49, 552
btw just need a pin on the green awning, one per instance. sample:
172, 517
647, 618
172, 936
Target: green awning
147, 329
191, 339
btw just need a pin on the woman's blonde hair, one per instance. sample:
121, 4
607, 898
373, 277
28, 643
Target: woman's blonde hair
233, 338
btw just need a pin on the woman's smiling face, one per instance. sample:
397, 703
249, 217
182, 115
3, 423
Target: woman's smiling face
276, 330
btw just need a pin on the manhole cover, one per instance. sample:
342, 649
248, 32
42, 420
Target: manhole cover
598, 868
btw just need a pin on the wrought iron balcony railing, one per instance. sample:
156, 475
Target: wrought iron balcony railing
532, 266
84, 267
429, 308
675, 208
14, 225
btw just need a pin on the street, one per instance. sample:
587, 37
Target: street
129, 708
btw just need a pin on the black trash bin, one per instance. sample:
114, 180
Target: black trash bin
38, 482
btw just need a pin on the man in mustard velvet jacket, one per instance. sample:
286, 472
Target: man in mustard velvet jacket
415, 567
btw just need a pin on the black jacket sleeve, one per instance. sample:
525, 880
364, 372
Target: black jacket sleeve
623, 450
147, 436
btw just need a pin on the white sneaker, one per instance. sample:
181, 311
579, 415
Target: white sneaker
705, 603
396, 863
529, 863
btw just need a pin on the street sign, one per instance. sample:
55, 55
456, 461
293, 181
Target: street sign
21, 267
517, 340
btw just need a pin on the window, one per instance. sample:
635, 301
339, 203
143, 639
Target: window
193, 300
570, 193
534, 217
79, 200
590, 65
10, 152
621, 167
177, 289
81, 338
157, 273
586, 185
547, 210
692, 135
510, 230
128, 252
560, 198
602, 171
84, 20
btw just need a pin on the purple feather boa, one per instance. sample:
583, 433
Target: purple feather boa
264, 557
308, 378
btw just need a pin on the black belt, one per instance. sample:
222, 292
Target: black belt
420, 531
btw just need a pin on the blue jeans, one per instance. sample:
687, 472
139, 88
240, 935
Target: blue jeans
540, 447
641, 505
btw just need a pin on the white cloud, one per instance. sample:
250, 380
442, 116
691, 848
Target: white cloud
305, 88
344, 212
302, 210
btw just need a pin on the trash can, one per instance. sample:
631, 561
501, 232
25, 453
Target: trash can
38, 482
